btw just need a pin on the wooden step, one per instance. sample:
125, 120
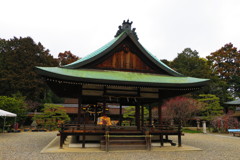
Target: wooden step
126, 142
123, 147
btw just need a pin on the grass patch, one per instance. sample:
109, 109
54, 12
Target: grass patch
185, 130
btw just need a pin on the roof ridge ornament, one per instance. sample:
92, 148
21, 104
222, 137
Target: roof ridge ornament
127, 27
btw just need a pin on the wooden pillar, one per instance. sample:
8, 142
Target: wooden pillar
95, 114
179, 136
79, 109
142, 115
79, 105
84, 131
161, 139
137, 116
62, 136
159, 113
120, 114
104, 106
150, 115
159, 109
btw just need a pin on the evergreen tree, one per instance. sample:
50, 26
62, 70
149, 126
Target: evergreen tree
190, 64
15, 105
18, 58
212, 107
52, 115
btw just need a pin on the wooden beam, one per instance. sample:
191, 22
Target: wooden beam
121, 95
138, 91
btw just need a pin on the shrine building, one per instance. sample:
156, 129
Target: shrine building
121, 72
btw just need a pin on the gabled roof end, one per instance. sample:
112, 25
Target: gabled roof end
127, 27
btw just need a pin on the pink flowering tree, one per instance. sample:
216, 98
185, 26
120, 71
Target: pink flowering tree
222, 123
180, 109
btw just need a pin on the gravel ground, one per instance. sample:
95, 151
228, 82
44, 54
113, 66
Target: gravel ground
27, 146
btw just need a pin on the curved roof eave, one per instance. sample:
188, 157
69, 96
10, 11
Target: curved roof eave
154, 59
112, 44
112, 77
235, 102
96, 54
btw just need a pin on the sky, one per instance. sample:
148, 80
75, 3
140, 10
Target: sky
164, 27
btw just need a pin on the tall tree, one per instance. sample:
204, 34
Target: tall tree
212, 107
66, 58
14, 105
189, 63
18, 58
225, 63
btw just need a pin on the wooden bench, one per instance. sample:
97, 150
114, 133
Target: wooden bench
234, 131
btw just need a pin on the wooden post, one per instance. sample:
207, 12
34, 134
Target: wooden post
179, 136
84, 130
150, 115
161, 139
95, 114
79, 105
61, 140
166, 136
159, 109
120, 114
79, 111
142, 115
137, 116
104, 106
160, 113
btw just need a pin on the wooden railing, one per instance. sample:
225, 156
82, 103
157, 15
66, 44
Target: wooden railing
120, 131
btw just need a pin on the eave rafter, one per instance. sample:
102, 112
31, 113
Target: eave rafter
106, 85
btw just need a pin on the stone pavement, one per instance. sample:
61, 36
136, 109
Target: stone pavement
53, 147
28, 145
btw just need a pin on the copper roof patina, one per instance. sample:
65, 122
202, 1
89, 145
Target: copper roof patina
235, 102
115, 77
77, 71
109, 46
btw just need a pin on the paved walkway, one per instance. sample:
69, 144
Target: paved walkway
27, 146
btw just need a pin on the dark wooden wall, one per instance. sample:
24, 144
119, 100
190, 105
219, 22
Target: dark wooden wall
125, 60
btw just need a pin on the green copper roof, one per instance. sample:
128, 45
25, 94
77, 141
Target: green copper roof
106, 48
235, 102
95, 53
116, 77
